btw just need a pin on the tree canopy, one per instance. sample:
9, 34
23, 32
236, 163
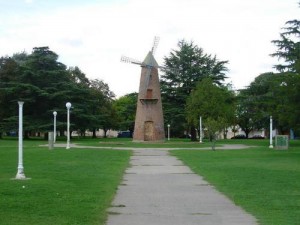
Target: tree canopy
188, 65
45, 85
270, 95
289, 48
214, 103
126, 109
275, 94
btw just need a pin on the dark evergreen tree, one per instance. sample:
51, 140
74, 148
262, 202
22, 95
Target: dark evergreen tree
189, 65
289, 48
9, 71
45, 85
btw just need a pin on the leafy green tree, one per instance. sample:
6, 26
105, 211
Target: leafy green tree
286, 111
189, 65
245, 111
37, 77
45, 85
275, 93
20, 57
9, 70
109, 118
103, 111
270, 94
255, 104
285, 87
214, 103
213, 126
49, 86
78, 93
78, 77
126, 108
289, 47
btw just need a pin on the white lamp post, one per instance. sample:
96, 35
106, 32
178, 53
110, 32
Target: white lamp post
200, 131
68, 105
271, 132
20, 174
54, 126
168, 132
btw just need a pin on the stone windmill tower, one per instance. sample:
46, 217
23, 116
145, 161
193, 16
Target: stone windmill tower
149, 121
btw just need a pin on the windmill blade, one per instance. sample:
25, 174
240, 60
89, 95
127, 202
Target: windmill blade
126, 59
155, 44
166, 69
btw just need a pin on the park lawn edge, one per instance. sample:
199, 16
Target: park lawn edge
264, 182
73, 186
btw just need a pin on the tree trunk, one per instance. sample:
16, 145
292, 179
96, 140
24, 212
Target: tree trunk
104, 131
131, 132
247, 131
225, 133
94, 133
213, 142
26, 135
193, 133
213, 145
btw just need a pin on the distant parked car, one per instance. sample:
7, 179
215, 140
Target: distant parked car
12, 133
257, 137
124, 134
239, 136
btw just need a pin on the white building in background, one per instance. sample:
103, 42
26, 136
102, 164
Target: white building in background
99, 133
239, 131
263, 133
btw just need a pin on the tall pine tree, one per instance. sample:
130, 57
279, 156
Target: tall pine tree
289, 48
191, 65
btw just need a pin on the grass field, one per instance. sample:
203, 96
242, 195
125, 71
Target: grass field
67, 186
264, 182
77, 186
173, 143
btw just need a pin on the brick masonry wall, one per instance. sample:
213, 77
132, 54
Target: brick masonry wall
149, 122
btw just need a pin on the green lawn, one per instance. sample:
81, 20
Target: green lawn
264, 182
173, 143
67, 187
76, 186
127, 142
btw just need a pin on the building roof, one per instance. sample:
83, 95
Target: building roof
149, 60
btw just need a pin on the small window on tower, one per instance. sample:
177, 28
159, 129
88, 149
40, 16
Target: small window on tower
149, 94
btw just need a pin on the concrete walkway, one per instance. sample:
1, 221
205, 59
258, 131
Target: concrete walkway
159, 190
222, 147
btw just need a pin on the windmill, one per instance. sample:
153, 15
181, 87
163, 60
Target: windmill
149, 122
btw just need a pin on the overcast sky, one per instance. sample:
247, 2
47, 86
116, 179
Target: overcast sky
93, 34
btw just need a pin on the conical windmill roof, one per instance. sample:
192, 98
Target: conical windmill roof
149, 60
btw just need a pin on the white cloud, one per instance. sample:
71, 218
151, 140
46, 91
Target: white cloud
94, 36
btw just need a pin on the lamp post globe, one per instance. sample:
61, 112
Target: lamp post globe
68, 105
169, 132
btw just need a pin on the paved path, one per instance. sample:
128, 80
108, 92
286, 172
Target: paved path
222, 147
159, 190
